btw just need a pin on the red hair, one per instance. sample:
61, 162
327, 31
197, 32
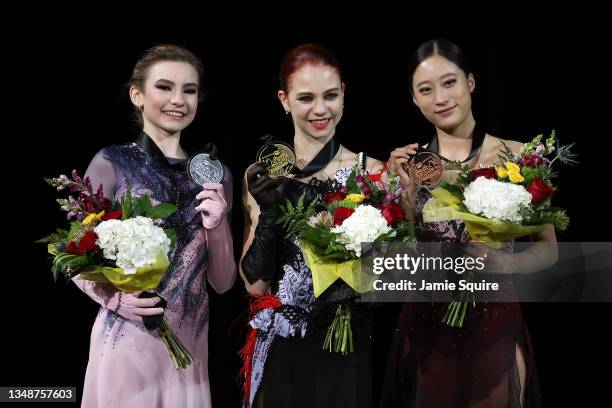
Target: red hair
302, 55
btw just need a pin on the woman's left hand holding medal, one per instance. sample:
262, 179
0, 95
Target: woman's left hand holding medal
397, 162
213, 207
205, 170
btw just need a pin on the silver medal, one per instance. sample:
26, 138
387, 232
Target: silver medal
202, 169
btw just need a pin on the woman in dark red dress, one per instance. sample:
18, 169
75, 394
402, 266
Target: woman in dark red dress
489, 361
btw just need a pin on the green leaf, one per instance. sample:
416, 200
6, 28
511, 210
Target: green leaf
553, 216
342, 203
300, 203
294, 219
351, 184
68, 264
531, 173
55, 273
461, 207
161, 211
171, 233
311, 208
126, 204
142, 205
324, 244
289, 205
59, 236
56, 248
377, 196
406, 232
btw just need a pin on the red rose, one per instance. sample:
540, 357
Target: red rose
335, 196
86, 244
393, 213
341, 214
71, 248
539, 190
113, 215
488, 172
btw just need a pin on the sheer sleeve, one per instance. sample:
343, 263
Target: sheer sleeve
222, 266
228, 189
101, 171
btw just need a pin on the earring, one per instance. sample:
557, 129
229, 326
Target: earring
141, 108
287, 112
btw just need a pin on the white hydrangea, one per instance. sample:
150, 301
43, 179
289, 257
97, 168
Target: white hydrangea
495, 199
132, 243
364, 225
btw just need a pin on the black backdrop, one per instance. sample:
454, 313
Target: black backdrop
532, 75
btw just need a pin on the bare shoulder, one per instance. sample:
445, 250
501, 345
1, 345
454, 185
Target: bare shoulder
493, 146
498, 144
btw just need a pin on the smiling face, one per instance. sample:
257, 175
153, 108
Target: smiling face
442, 91
169, 100
315, 98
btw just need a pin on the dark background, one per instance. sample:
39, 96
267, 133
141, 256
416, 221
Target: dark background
532, 75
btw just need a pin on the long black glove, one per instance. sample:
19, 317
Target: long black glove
260, 260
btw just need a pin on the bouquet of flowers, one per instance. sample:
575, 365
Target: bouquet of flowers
509, 200
115, 242
366, 210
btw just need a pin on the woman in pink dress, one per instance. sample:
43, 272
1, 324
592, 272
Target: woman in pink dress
129, 365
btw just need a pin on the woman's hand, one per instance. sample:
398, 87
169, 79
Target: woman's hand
213, 207
495, 260
130, 306
398, 158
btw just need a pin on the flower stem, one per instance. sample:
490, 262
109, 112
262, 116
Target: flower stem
339, 337
179, 354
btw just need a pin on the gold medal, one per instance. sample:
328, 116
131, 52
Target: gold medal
277, 157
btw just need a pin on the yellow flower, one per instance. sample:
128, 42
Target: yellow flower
513, 167
515, 177
502, 173
356, 198
93, 217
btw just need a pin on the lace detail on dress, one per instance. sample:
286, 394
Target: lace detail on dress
184, 283
342, 174
295, 292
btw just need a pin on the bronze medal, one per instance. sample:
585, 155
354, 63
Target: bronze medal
424, 168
